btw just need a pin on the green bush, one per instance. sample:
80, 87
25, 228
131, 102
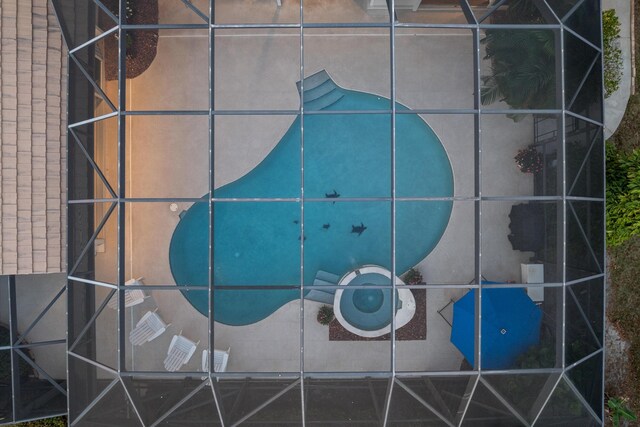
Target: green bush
325, 315
612, 52
412, 277
618, 409
623, 195
529, 160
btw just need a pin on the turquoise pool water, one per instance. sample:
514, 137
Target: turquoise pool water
366, 308
258, 244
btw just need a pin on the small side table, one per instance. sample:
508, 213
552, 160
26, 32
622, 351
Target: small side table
533, 273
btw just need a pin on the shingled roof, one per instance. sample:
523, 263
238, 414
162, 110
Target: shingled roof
33, 134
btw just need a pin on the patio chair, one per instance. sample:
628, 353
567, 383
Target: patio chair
132, 297
148, 328
220, 360
180, 351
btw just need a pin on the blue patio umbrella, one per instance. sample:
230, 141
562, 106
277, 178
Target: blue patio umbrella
510, 325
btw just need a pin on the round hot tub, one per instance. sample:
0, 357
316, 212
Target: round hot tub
364, 307
368, 300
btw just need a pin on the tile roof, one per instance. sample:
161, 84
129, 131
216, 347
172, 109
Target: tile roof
32, 135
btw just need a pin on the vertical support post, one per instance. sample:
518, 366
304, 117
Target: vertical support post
13, 337
210, 287
561, 213
392, 67
302, 201
477, 184
121, 191
604, 211
392, 59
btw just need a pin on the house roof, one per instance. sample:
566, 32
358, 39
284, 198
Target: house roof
32, 128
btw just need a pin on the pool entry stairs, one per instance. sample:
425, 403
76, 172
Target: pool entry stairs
320, 91
325, 296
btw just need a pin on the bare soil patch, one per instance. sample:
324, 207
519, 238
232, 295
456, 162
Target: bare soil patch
622, 349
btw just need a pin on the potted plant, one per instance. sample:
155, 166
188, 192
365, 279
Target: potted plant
529, 160
412, 277
325, 315
141, 45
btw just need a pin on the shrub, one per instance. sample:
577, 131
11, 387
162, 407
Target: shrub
612, 52
412, 277
47, 422
623, 195
325, 315
538, 356
618, 409
529, 160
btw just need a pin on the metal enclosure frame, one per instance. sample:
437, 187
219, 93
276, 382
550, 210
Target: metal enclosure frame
83, 312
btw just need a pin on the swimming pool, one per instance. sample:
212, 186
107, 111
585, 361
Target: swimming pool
258, 243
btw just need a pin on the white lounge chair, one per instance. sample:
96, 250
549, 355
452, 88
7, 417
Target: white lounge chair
220, 360
148, 328
131, 296
180, 351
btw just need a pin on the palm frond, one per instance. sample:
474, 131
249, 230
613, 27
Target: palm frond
490, 92
522, 68
516, 117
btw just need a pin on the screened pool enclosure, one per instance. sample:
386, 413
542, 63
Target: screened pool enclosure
431, 172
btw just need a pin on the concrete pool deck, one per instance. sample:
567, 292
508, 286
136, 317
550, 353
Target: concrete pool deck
168, 157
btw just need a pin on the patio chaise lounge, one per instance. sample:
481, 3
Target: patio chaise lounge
220, 360
131, 296
180, 351
148, 328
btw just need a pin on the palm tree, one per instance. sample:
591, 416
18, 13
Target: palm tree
523, 69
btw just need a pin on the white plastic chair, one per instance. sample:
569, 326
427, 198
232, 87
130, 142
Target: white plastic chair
131, 296
220, 360
180, 351
148, 328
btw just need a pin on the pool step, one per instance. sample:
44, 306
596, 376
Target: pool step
328, 277
314, 80
317, 92
320, 91
321, 297
319, 283
325, 101
323, 279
